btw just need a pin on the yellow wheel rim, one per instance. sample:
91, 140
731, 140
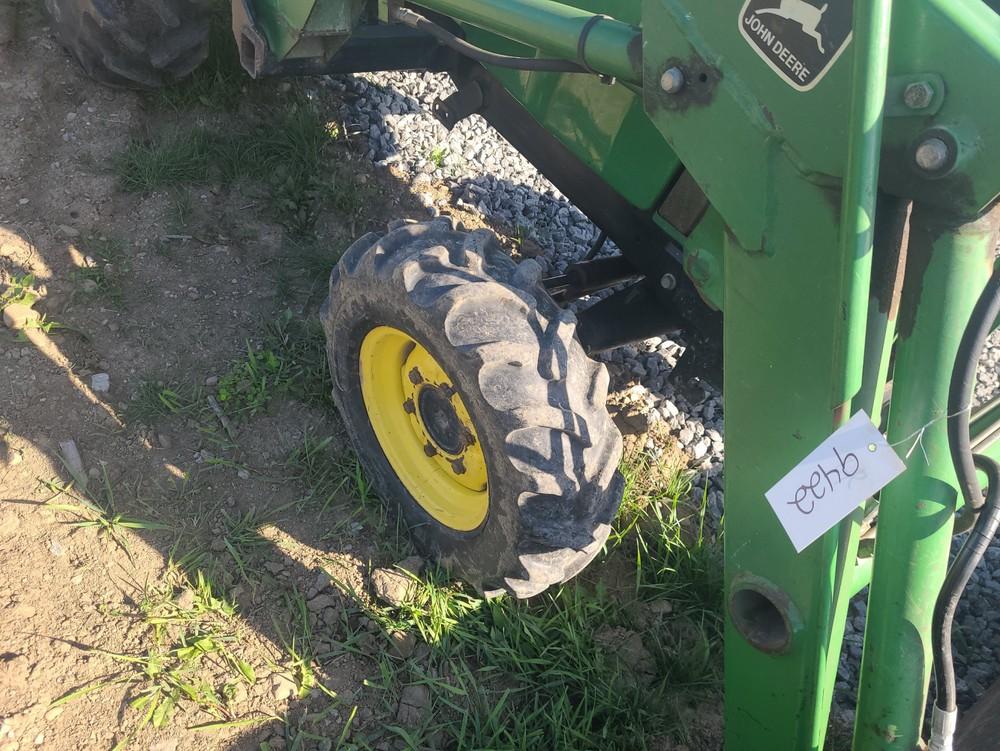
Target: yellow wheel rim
424, 428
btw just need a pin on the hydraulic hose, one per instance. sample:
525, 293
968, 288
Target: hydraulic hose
984, 513
963, 380
416, 21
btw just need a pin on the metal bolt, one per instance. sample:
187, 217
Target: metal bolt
668, 281
672, 80
932, 154
918, 95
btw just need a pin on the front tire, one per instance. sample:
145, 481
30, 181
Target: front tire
501, 377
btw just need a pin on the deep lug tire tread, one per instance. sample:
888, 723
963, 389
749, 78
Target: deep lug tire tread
144, 44
552, 448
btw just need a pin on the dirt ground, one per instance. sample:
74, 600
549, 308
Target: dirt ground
76, 599
199, 577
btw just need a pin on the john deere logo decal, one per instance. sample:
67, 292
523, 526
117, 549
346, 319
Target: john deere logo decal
799, 40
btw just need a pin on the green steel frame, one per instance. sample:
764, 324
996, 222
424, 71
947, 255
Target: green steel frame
824, 304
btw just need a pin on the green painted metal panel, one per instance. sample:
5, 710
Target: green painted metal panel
609, 45
306, 28
604, 126
949, 267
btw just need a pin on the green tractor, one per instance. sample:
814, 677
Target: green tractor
806, 192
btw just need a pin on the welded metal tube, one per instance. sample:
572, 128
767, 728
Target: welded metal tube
946, 269
612, 47
872, 21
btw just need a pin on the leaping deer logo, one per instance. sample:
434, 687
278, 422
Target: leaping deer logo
805, 15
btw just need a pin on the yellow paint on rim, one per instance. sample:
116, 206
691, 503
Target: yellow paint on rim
441, 464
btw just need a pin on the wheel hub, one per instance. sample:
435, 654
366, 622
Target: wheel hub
424, 428
442, 422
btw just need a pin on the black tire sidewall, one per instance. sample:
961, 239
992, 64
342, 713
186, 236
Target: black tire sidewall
367, 308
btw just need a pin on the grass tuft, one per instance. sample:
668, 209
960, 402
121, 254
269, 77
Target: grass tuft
219, 83
287, 151
193, 664
290, 361
156, 399
578, 668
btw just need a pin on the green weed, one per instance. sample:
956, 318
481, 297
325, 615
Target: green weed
194, 642
20, 290
156, 399
437, 156
96, 509
327, 476
290, 361
104, 275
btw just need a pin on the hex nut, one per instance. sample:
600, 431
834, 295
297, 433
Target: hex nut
918, 95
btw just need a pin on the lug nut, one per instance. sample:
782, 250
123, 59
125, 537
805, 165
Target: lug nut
668, 281
932, 154
918, 95
672, 80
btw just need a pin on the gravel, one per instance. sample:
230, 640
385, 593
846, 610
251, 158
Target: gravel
487, 175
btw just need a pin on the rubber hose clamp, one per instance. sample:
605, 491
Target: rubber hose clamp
581, 45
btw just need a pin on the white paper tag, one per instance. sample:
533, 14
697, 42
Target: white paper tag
838, 475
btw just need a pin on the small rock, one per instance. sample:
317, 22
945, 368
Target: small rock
661, 607
56, 548
243, 474
392, 587
186, 599
100, 382
403, 643
413, 701
323, 581
282, 687
212, 381
320, 602
275, 567
414, 564
66, 231
17, 316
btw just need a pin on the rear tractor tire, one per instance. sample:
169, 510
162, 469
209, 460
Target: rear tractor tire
134, 44
472, 406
